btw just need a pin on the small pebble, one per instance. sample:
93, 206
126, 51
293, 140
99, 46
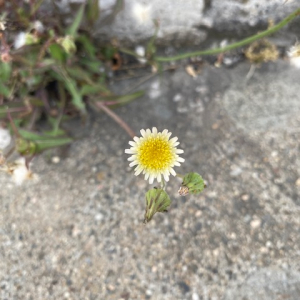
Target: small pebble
269, 244
55, 159
198, 213
195, 296
215, 126
264, 250
110, 287
245, 197
255, 223
177, 98
236, 171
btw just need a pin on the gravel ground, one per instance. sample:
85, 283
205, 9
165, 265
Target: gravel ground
77, 233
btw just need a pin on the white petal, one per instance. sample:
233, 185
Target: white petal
180, 159
179, 151
131, 143
165, 132
154, 130
147, 174
173, 140
172, 172
136, 139
148, 131
151, 179
169, 134
130, 151
166, 176
143, 132
176, 144
132, 158
159, 177
177, 164
134, 163
138, 170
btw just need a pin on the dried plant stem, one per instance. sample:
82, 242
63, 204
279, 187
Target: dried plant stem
116, 118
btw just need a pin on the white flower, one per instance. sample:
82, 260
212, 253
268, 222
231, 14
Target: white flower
142, 13
140, 50
38, 26
154, 154
5, 138
294, 55
20, 172
2, 25
20, 40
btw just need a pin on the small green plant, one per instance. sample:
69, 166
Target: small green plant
155, 155
50, 72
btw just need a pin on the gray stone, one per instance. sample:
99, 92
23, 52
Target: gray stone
240, 16
268, 284
259, 105
183, 21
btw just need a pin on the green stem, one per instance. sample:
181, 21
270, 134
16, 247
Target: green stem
241, 43
179, 175
163, 183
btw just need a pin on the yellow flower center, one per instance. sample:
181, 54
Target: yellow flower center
155, 154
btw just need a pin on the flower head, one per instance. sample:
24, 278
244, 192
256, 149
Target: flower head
154, 154
294, 55
19, 171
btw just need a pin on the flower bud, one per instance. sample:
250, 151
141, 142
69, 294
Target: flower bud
68, 44
31, 39
192, 184
157, 200
25, 147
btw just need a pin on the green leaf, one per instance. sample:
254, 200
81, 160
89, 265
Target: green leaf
72, 30
157, 200
76, 96
5, 71
41, 142
93, 11
4, 90
87, 45
93, 89
109, 52
57, 52
93, 65
55, 132
192, 183
52, 143
80, 74
125, 98
31, 136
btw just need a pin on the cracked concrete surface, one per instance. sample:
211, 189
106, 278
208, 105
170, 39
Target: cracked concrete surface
78, 232
182, 22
